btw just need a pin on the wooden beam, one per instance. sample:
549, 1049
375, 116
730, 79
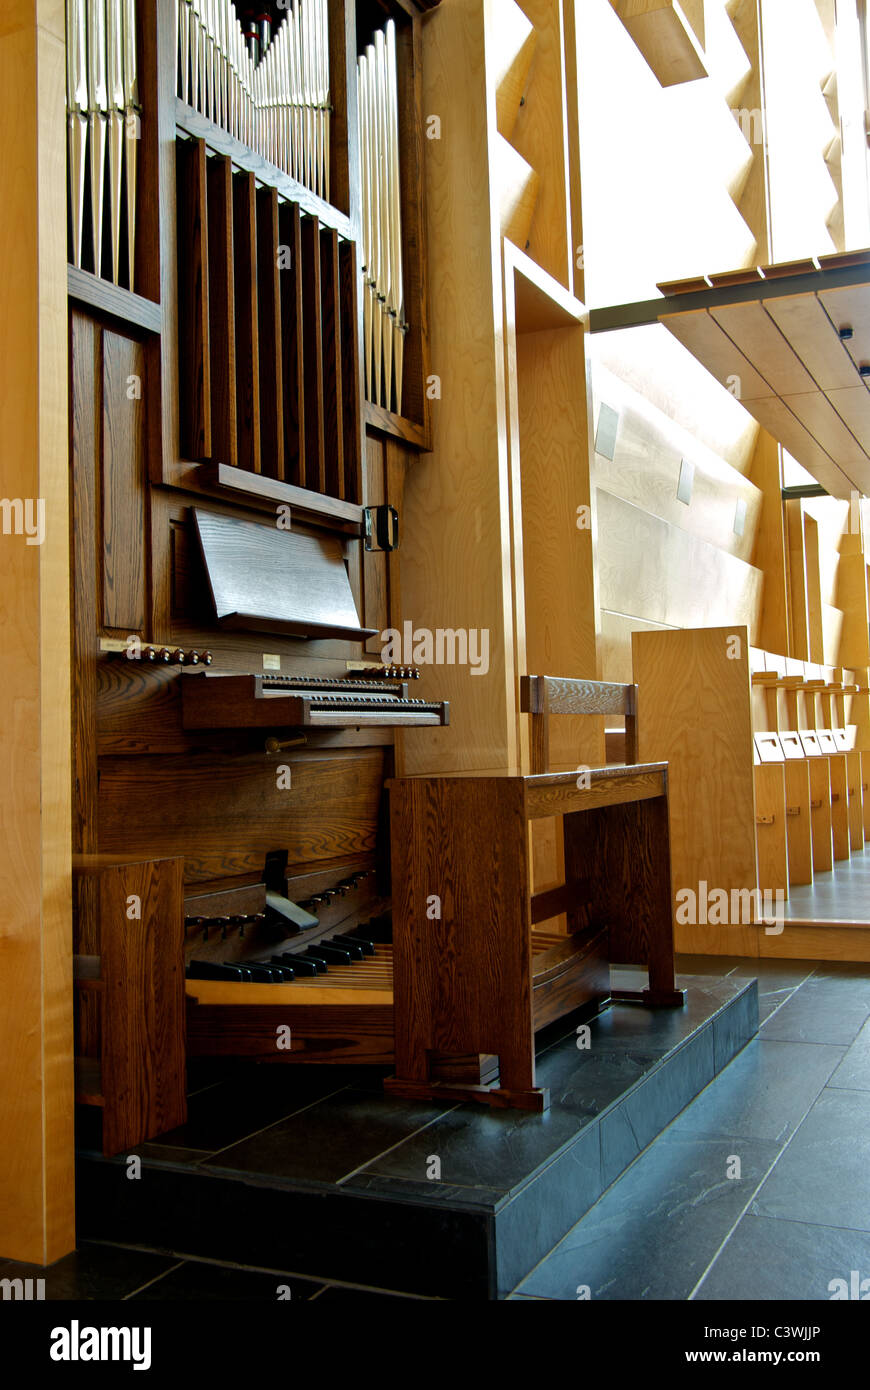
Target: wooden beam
36, 1049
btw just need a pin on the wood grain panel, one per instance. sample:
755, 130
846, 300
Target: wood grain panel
247, 341
271, 364
694, 711
798, 821
293, 344
761, 342
312, 336
221, 305
224, 817
557, 568
194, 355
333, 401
643, 569
351, 367
36, 1078
700, 333
771, 827
122, 491
540, 135
806, 325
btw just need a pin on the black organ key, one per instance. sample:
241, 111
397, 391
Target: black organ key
264, 974
216, 970
333, 955
296, 964
317, 961
360, 939
282, 971
344, 943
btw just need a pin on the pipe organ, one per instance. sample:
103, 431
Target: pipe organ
247, 392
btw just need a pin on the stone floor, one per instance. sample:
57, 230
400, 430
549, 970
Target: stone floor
794, 1110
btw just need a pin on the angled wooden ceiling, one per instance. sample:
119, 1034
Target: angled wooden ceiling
795, 350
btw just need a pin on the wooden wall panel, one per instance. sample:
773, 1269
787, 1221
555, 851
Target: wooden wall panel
225, 815
122, 482
457, 520
645, 470
557, 571
694, 712
36, 1063
657, 572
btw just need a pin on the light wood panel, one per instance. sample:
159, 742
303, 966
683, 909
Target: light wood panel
694, 711
540, 134
769, 553
771, 827
645, 565
557, 571
798, 822
755, 334
667, 41
645, 470
805, 324
700, 333
36, 1051
456, 518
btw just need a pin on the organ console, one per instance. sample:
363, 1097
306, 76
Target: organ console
235, 730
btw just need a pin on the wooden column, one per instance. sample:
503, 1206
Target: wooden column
36, 1053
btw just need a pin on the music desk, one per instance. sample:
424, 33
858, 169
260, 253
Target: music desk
472, 976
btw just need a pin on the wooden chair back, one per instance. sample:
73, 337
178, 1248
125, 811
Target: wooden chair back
541, 696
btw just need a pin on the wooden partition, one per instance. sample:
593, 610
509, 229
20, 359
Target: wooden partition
36, 1076
694, 712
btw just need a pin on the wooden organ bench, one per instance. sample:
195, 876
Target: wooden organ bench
471, 973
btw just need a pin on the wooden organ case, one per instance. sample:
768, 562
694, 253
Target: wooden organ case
247, 387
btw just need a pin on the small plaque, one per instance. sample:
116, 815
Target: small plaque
608, 428
686, 485
271, 662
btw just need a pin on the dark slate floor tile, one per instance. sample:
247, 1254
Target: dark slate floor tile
824, 1175
734, 1027
853, 1073
167, 1153
250, 1098
821, 1011
197, 1282
635, 1028
481, 1148
767, 1260
848, 972
773, 974
434, 1193
541, 1213
626, 1130
325, 1233
99, 1272
586, 1082
667, 1091
328, 1141
764, 1093
654, 1233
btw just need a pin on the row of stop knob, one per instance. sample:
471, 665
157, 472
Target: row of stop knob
176, 656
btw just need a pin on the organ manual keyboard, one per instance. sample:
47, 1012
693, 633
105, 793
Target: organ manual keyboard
222, 700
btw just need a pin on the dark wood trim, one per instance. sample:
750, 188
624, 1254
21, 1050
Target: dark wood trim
386, 422
190, 122
132, 310
302, 499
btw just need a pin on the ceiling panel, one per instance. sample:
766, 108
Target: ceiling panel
702, 335
812, 335
759, 339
